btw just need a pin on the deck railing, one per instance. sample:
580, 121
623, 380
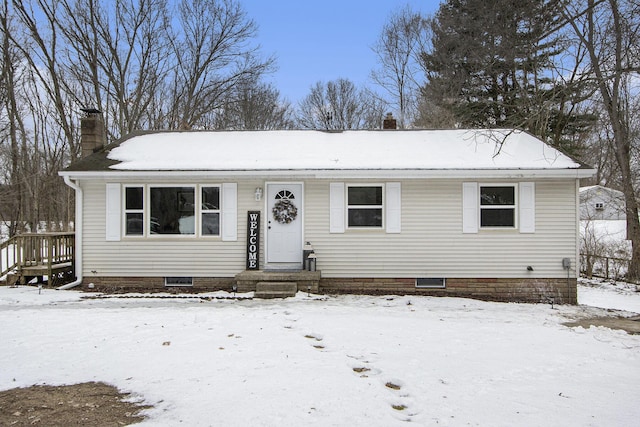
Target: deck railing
36, 249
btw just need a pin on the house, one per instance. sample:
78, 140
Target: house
601, 203
603, 228
471, 213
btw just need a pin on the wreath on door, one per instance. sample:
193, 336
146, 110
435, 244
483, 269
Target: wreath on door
284, 211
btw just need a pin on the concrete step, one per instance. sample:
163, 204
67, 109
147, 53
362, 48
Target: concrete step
247, 280
275, 289
277, 286
271, 295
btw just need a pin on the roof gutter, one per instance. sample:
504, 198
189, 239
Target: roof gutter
336, 173
78, 237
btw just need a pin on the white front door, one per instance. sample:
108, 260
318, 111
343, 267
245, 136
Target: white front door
284, 225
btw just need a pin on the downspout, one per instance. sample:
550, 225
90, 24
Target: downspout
78, 237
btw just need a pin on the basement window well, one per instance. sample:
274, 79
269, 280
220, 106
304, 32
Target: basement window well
431, 282
178, 281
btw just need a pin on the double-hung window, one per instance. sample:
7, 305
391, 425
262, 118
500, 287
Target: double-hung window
134, 211
364, 206
210, 210
498, 206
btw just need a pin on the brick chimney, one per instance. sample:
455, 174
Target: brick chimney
92, 133
389, 122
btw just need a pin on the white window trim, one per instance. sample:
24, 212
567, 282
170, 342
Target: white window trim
347, 206
514, 206
125, 211
204, 211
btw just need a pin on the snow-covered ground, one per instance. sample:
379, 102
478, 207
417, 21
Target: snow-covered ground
607, 294
605, 231
331, 361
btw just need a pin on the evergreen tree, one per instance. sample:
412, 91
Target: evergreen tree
493, 65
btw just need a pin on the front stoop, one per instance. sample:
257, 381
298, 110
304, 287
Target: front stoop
275, 289
302, 280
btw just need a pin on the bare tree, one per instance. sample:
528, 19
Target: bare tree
43, 53
48, 153
609, 30
12, 122
398, 51
253, 105
154, 64
599, 151
339, 105
118, 59
26, 161
48, 130
213, 53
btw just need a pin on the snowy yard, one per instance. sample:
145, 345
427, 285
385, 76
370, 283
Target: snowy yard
347, 360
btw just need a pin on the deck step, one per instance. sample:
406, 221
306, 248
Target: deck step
275, 289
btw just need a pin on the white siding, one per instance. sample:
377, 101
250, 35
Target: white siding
612, 204
431, 242
162, 256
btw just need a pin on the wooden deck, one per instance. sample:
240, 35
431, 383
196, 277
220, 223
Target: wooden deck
30, 256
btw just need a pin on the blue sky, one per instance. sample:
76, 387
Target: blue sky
322, 40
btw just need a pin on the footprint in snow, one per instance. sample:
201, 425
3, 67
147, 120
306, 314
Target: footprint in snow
289, 320
317, 338
400, 405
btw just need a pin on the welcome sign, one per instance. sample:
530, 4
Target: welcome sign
253, 240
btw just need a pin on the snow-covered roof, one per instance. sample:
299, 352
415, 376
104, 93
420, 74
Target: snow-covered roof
309, 150
600, 188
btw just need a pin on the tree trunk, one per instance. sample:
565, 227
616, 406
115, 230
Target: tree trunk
610, 62
633, 223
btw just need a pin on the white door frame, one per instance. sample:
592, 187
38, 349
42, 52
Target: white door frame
268, 216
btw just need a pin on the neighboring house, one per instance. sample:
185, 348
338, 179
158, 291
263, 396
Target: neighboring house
432, 212
603, 228
598, 202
